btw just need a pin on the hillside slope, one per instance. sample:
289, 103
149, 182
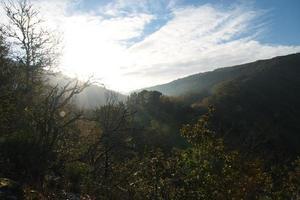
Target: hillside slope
201, 82
257, 105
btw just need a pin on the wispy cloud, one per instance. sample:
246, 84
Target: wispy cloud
112, 41
198, 39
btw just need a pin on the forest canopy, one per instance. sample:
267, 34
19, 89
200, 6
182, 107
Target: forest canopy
150, 146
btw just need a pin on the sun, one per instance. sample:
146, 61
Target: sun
89, 51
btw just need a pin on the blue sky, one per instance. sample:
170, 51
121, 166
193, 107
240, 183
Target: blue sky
131, 44
284, 21
282, 16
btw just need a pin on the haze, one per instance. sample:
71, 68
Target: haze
128, 45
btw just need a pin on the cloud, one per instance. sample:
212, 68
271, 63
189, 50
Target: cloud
110, 40
94, 43
199, 39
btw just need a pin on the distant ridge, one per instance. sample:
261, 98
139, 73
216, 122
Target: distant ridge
91, 97
205, 81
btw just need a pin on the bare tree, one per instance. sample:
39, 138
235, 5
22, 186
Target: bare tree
110, 145
34, 46
55, 112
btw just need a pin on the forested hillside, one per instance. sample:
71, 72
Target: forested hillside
256, 104
261, 111
204, 82
237, 140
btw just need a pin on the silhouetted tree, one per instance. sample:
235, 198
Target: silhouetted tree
35, 47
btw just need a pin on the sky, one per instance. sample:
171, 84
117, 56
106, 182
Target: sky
132, 44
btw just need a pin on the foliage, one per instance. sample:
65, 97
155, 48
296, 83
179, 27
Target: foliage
257, 105
204, 171
37, 119
52, 150
157, 120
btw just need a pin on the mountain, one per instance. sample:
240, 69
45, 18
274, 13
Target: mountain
95, 95
91, 97
201, 82
257, 106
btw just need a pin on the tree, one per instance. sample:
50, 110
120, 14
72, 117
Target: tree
107, 147
215, 172
205, 170
35, 47
37, 119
